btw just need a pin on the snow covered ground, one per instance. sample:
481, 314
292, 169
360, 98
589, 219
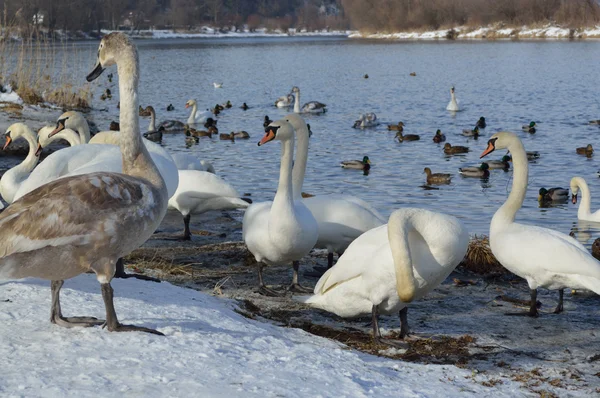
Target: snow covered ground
209, 350
210, 33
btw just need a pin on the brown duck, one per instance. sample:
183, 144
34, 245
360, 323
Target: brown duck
451, 150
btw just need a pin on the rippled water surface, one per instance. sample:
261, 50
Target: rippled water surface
510, 83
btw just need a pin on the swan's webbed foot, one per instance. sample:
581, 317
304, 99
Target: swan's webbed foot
121, 274
112, 322
297, 288
390, 343
265, 291
67, 322
559, 308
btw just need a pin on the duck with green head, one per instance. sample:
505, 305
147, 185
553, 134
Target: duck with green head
529, 128
479, 171
481, 123
439, 137
504, 163
471, 133
553, 195
364, 164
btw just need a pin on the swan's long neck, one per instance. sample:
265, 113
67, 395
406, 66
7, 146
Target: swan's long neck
506, 213
152, 126
297, 102
136, 159
12, 178
283, 203
399, 227
300, 163
66, 134
83, 130
586, 199
194, 109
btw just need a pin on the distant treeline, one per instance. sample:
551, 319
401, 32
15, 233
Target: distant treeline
34, 16
402, 15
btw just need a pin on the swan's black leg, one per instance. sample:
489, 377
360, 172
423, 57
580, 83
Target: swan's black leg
404, 330
377, 333
329, 260
295, 286
533, 312
262, 288
187, 235
121, 274
56, 313
112, 323
559, 307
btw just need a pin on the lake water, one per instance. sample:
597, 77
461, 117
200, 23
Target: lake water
554, 83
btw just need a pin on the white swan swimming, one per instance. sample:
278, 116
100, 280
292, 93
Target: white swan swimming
584, 212
282, 231
366, 120
388, 267
15, 177
195, 116
340, 218
309, 107
453, 104
284, 101
544, 257
85, 223
185, 161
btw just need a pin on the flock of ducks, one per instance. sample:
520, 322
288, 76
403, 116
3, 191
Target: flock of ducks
86, 206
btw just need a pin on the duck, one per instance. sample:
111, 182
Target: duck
481, 171
192, 132
340, 218
210, 122
267, 121
413, 73
471, 133
364, 164
543, 257
366, 76
217, 85
503, 163
170, 108
557, 194
587, 150
437, 178
529, 128
15, 177
241, 134
284, 101
244, 107
201, 191
390, 266
583, 213
228, 104
153, 134
396, 127
114, 126
596, 122
451, 150
453, 104
309, 107
407, 137
531, 156
481, 123
96, 218
144, 111
284, 230
439, 137
185, 161
216, 110
195, 116
224, 136
106, 95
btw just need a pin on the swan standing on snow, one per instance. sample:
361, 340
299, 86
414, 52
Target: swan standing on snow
195, 116
309, 107
284, 101
453, 104
340, 218
584, 212
87, 222
282, 231
388, 267
544, 257
15, 177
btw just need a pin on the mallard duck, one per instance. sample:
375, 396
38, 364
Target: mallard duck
439, 137
597, 122
450, 150
479, 171
481, 123
189, 131
553, 195
144, 111
114, 126
531, 155
154, 136
110, 77
244, 107
585, 150
437, 178
216, 110
213, 129
529, 128
170, 108
471, 133
106, 95
309, 130
229, 136
364, 164
407, 137
396, 127
267, 121
499, 164
366, 76
241, 134
210, 122
413, 73
228, 104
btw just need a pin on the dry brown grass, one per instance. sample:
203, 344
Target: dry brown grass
480, 259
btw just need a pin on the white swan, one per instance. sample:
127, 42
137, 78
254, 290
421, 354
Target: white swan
544, 257
584, 212
392, 265
284, 101
284, 230
201, 191
85, 223
366, 120
45, 137
185, 161
14, 178
453, 104
101, 154
195, 116
340, 218
309, 107
75, 121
